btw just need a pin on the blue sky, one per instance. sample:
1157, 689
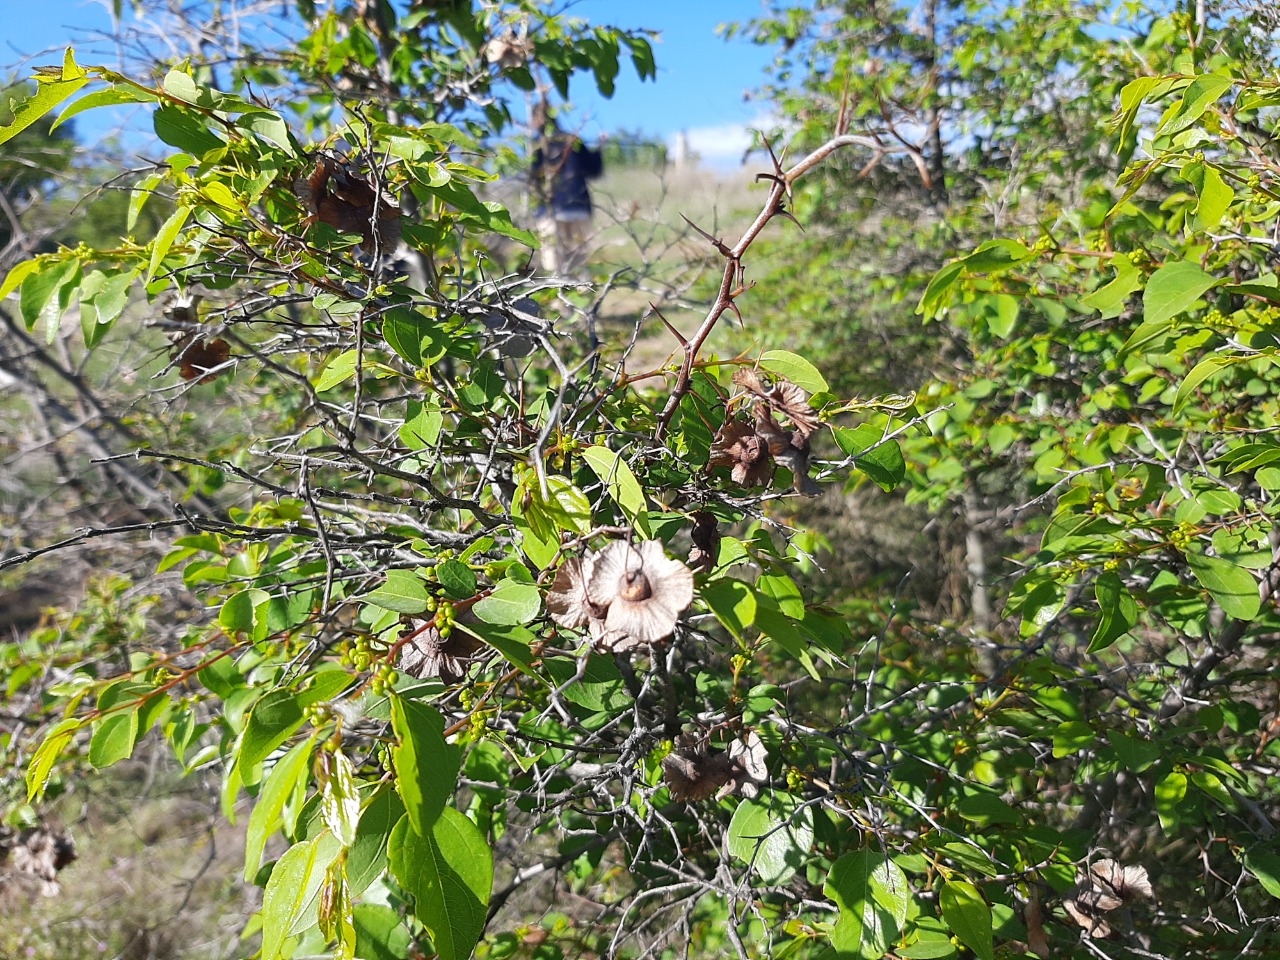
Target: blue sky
699, 88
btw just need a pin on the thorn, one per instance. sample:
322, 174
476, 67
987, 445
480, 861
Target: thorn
787, 214
779, 175
842, 121
742, 324
715, 241
674, 332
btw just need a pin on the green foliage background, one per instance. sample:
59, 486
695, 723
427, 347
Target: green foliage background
1023, 634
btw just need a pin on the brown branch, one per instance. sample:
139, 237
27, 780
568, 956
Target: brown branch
774, 206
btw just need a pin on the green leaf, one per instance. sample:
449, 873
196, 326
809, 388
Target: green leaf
1117, 611
404, 592
733, 603
1170, 793
186, 130
621, 483
1201, 372
1110, 299
47, 754
512, 603
245, 612
1001, 311
1215, 197
280, 785
114, 737
458, 579
774, 838
103, 98
449, 871
939, 291
795, 368
338, 370
1231, 586
1203, 91
968, 915
872, 894
1172, 290
367, 858
1132, 753
54, 87
995, 255
42, 292
20, 273
273, 719
414, 336
380, 933
289, 901
339, 798
1071, 737
1266, 867
879, 459
426, 766
165, 237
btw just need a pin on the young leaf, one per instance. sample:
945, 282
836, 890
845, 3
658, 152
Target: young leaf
276, 790
53, 89
289, 901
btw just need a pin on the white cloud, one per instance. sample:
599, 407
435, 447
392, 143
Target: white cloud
723, 144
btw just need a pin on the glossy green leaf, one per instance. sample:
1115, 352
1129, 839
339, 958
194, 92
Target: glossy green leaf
380, 933
795, 368
1197, 98
426, 766
51, 748
114, 737
1172, 290
280, 784
968, 915
1117, 611
733, 603
873, 896
449, 872
1266, 867
165, 237
53, 88
511, 603
403, 592
271, 722
621, 483
773, 837
339, 797
1231, 586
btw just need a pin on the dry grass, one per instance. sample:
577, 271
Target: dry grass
157, 876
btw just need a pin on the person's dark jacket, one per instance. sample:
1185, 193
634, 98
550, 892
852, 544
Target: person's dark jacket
561, 170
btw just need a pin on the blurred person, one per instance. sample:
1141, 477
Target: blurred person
562, 165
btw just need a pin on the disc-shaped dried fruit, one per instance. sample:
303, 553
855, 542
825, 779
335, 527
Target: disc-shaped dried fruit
642, 590
568, 601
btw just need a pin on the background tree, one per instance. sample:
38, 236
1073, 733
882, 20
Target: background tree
441, 623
